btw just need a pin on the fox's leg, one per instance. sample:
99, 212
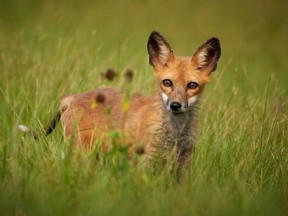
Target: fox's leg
184, 160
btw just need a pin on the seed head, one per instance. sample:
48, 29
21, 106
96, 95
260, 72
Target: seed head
140, 150
100, 98
129, 75
109, 74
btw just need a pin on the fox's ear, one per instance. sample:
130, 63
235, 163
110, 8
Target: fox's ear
207, 55
160, 52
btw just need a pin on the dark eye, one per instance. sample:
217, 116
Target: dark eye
167, 82
192, 85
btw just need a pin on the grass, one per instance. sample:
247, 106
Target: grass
51, 48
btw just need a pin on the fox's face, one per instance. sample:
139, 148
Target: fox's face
182, 79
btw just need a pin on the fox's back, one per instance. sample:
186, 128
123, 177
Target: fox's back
144, 117
91, 114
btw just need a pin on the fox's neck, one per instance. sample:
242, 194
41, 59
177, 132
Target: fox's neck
180, 132
178, 128
179, 125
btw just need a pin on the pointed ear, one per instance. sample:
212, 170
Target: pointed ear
160, 52
207, 55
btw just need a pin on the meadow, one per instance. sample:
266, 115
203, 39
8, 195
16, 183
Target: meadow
53, 48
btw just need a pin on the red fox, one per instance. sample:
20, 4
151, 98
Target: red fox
167, 120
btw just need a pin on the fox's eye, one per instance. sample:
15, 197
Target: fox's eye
192, 85
167, 82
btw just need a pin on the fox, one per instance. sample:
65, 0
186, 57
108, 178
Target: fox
163, 122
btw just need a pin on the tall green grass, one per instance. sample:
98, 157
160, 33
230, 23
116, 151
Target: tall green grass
50, 48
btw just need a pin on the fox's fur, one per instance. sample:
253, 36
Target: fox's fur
166, 121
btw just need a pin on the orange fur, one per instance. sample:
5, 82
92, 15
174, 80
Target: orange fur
167, 120
87, 119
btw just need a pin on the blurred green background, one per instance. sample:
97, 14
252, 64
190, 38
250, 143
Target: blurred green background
253, 34
60, 47
52, 48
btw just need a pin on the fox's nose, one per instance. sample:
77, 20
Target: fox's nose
175, 106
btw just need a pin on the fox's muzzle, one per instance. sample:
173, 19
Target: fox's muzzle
175, 106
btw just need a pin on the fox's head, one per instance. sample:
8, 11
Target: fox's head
181, 79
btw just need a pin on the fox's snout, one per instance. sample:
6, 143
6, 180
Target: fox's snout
178, 105
175, 106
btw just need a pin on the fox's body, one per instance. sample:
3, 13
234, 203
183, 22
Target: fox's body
167, 120
156, 128
89, 116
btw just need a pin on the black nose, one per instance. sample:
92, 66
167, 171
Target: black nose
175, 106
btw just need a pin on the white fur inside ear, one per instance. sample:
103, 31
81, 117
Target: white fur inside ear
202, 58
23, 128
164, 53
192, 100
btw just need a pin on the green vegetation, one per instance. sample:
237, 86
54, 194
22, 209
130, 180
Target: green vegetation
53, 48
